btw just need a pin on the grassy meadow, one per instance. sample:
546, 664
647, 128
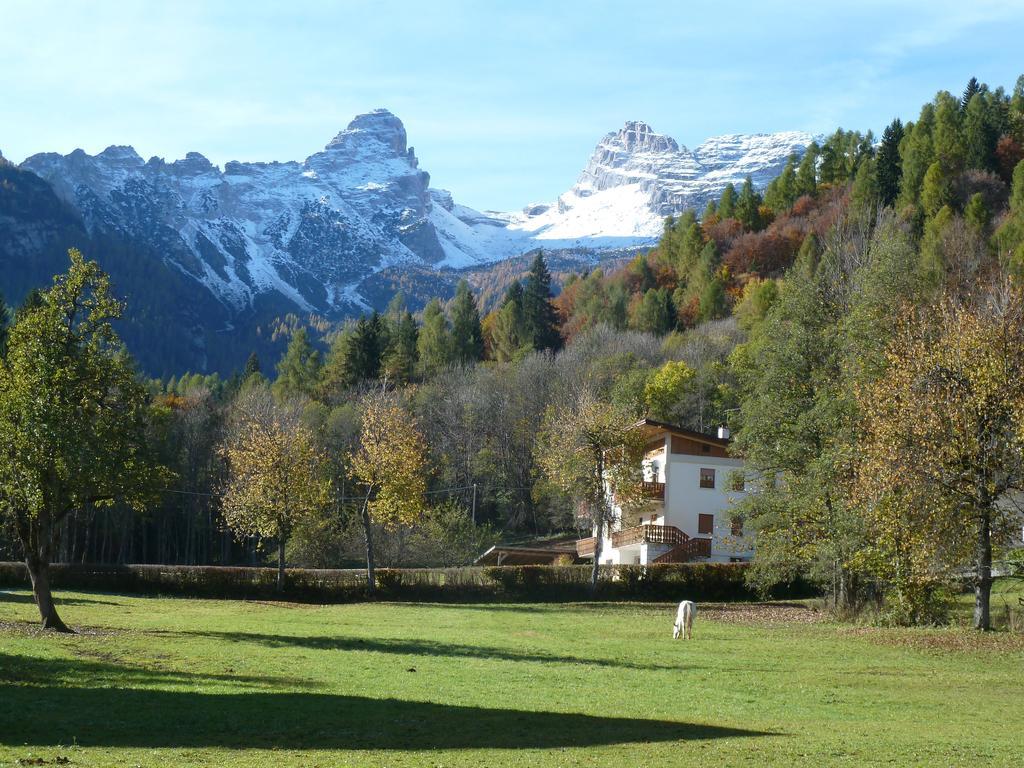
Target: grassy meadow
152, 681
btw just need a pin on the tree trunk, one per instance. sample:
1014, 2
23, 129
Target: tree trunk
280, 563
36, 536
983, 573
39, 571
371, 580
596, 572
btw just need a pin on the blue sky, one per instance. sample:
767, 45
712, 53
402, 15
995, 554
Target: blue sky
503, 101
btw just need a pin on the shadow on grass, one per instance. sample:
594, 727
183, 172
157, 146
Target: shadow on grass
26, 597
420, 648
110, 717
104, 672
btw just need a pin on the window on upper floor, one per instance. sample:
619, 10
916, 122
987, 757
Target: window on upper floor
706, 524
707, 478
737, 526
737, 481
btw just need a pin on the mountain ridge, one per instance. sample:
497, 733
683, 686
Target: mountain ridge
319, 235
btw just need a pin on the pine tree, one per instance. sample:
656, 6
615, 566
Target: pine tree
948, 138
298, 371
727, 202
781, 192
865, 196
917, 152
402, 356
435, 341
467, 335
936, 191
539, 316
976, 213
654, 313
807, 171
888, 168
748, 206
980, 136
366, 348
252, 366
509, 340
972, 89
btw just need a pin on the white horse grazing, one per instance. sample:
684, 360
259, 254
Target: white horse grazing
684, 620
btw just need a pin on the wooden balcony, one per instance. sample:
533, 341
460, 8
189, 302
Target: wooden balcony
586, 547
653, 490
651, 534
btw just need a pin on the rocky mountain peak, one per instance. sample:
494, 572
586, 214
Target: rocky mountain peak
638, 136
380, 125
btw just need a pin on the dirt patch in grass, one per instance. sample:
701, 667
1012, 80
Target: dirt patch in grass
951, 640
760, 613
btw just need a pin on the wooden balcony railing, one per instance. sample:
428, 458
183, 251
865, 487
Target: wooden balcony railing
652, 534
653, 490
586, 547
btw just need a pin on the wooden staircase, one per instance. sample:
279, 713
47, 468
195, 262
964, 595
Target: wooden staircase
685, 552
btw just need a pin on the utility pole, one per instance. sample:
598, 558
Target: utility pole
474, 503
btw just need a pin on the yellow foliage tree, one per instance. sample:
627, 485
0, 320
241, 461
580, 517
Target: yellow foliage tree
277, 479
942, 455
590, 452
389, 468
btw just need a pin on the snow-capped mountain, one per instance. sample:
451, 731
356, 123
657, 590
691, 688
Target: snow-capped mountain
636, 177
314, 230
335, 233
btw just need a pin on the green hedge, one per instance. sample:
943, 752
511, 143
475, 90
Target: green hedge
541, 583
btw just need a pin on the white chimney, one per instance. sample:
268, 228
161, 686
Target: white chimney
723, 433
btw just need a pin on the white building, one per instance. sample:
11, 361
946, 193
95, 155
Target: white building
691, 482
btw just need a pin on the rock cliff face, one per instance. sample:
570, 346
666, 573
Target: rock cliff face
226, 249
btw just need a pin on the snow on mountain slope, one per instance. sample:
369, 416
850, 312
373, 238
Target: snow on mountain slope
315, 231
636, 177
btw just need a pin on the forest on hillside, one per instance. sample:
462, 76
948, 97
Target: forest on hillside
871, 286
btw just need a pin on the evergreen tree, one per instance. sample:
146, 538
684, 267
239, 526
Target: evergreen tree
509, 340
467, 335
865, 196
402, 356
976, 213
807, 172
654, 313
727, 202
888, 168
917, 152
932, 265
972, 89
936, 190
781, 192
366, 348
298, 371
434, 345
33, 300
539, 316
748, 206
252, 366
980, 135
948, 136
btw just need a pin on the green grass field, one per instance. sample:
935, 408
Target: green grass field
153, 682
